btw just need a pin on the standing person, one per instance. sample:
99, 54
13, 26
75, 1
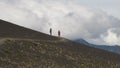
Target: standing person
50, 31
58, 33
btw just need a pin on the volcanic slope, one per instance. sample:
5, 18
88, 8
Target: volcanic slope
8, 29
24, 48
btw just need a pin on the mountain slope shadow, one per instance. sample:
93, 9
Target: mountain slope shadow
8, 29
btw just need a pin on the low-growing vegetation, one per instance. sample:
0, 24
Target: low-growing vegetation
46, 54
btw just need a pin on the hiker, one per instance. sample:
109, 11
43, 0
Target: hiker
50, 31
58, 33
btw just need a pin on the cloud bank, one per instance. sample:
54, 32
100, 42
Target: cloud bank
74, 21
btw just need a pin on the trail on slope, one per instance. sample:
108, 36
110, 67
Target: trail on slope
2, 40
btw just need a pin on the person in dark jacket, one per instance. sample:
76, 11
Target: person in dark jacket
50, 31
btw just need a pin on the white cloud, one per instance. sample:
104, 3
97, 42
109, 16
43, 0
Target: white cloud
74, 21
110, 6
112, 37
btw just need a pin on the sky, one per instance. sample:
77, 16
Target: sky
96, 21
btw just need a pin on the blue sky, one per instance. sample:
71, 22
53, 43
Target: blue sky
96, 21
